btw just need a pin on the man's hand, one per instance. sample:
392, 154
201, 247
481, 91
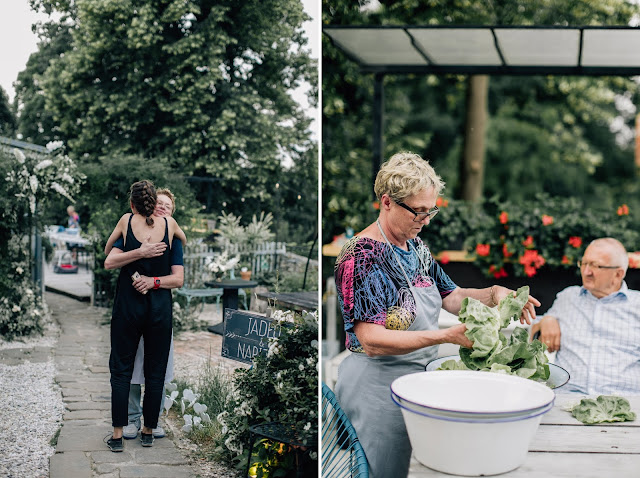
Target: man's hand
549, 332
149, 249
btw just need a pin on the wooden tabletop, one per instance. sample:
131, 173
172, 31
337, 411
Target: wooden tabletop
231, 284
564, 447
294, 300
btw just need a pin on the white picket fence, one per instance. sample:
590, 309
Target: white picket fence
263, 258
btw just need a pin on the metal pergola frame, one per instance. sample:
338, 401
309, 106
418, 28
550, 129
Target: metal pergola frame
625, 39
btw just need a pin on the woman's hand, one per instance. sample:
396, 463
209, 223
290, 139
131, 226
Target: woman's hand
455, 335
143, 284
528, 311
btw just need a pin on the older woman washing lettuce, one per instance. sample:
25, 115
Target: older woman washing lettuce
391, 291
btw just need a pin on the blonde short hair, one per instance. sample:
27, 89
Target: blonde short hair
406, 174
169, 194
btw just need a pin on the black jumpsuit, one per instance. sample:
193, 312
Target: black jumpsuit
134, 315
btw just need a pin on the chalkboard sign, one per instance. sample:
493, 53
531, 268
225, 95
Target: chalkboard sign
246, 335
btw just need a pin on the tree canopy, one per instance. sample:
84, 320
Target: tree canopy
204, 87
7, 119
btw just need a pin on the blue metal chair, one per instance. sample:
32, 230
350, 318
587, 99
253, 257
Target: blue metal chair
342, 454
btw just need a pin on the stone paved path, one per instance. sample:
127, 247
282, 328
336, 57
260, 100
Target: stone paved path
82, 371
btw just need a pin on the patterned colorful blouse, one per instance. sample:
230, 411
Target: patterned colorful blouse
372, 288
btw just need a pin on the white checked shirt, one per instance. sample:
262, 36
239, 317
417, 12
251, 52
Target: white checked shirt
600, 340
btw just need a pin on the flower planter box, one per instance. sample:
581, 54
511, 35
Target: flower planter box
543, 286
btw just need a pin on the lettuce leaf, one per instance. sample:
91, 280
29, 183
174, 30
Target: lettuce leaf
491, 350
605, 408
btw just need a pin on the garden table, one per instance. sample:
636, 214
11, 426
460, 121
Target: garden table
294, 300
564, 447
229, 297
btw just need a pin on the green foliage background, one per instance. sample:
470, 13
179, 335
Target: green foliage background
178, 90
546, 134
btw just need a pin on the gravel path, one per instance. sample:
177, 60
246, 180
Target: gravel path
30, 406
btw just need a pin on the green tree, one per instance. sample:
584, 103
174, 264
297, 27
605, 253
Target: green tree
7, 119
204, 84
35, 123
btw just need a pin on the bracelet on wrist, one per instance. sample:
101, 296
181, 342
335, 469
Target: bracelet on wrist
493, 297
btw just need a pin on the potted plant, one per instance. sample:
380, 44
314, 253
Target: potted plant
245, 271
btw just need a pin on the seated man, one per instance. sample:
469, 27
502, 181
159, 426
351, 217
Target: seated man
595, 329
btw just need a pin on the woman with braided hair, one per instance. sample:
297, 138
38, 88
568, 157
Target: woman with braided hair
142, 308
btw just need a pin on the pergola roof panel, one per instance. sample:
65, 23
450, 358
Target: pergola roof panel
611, 48
492, 50
379, 47
539, 47
450, 46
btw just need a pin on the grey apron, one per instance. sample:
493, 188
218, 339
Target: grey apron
363, 390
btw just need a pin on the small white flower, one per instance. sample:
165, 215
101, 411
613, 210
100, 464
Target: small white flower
16, 308
301, 367
199, 408
43, 164
171, 387
19, 155
307, 426
313, 455
19, 270
53, 145
314, 344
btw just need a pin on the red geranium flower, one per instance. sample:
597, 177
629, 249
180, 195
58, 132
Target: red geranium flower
483, 249
547, 220
575, 241
623, 210
445, 203
532, 258
530, 271
528, 242
565, 260
505, 251
444, 258
376, 205
504, 217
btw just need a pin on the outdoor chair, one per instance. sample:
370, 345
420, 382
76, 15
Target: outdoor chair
342, 454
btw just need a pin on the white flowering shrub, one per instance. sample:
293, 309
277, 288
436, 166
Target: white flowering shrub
219, 265
282, 386
29, 181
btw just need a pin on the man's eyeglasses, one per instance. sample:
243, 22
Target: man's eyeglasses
419, 216
593, 265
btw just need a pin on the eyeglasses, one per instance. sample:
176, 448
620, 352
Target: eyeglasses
593, 265
419, 216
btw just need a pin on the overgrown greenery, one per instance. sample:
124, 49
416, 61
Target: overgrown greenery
280, 387
29, 182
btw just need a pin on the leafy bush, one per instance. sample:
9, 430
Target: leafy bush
30, 181
282, 386
510, 238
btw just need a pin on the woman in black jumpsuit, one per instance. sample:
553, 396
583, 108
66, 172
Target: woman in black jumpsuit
134, 315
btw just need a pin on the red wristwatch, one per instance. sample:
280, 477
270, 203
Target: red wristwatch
156, 283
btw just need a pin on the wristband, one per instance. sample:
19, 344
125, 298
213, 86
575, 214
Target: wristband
156, 283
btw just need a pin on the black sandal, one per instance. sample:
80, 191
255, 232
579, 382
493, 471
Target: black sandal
146, 439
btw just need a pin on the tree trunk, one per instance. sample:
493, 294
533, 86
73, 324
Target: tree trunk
472, 162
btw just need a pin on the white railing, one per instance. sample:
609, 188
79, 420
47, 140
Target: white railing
265, 257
